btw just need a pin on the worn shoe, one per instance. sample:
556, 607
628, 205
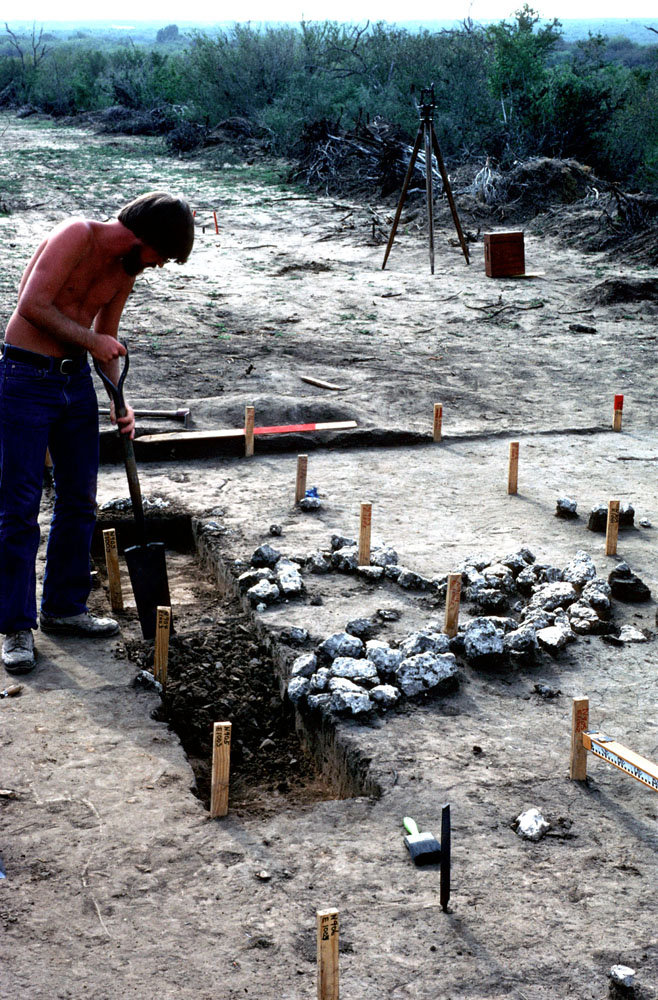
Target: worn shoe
18, 653
86, 625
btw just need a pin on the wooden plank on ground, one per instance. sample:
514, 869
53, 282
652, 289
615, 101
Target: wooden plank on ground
218, 435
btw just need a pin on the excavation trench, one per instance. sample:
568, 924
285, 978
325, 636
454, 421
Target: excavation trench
223, 665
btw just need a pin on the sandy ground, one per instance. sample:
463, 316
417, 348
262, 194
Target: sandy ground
117, 883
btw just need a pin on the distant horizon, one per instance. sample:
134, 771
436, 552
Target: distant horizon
127, 15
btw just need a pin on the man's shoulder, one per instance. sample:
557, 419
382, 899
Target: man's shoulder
74, 229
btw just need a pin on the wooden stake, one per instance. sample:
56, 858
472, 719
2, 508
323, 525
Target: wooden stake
612, 528
112, 563
513, 470
249, 419
161, 653
438, 420
221, 763
453, 597
579, 723
327, 933
617, 413
364, 534
300, 485
214, 215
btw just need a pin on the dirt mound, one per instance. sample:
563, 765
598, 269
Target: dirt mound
625, 290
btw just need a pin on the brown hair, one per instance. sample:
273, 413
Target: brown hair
162, 220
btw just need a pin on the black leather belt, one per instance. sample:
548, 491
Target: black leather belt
65, 366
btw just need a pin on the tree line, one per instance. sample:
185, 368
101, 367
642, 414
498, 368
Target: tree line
506, 91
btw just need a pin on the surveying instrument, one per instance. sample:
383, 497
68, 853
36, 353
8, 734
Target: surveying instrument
427, 136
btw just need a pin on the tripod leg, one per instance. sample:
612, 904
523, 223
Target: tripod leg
448, 191
403, 195
428, 190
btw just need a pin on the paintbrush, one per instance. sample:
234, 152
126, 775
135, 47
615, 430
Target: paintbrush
424, 848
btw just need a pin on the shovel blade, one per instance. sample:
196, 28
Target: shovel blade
148, 576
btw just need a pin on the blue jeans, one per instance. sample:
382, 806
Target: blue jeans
39, 410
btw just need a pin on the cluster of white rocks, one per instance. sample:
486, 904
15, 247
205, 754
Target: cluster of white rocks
346, 674
524, 606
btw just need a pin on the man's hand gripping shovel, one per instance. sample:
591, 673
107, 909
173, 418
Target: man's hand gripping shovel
145, 560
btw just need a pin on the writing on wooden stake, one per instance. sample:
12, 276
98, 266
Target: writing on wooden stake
364, 534
617, 413
161, 652
438, 421
579, 723
612, 528
221, 764
249, 420
513, 470
327, 937
112, 563
302, 469
453, 597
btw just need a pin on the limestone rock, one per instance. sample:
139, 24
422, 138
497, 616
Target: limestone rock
555, 637
550, 596
363, 628
386, 659
566, 508
422, 642
304, 666
425, 671
298, 688
348, 697
346, 559
288, 578
531, 825
341, 644
361, 671
383, 555
320, 680
385, 695
263, 593
626, 586
265, 555
580, 570
483, 642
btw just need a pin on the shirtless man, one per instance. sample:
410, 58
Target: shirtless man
70, 301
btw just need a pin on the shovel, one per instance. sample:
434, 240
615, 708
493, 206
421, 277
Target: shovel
146, 560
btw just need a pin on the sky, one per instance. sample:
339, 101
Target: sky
127, 12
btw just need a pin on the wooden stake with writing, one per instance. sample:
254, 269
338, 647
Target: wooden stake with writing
161, 652
579, 723
453, 597
364, 534
300, 485
221, 765
438, 421
612, 528
112, 563
513, 470
249, 421
617, 413
327, 932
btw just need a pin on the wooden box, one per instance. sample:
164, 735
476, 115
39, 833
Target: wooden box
504, 255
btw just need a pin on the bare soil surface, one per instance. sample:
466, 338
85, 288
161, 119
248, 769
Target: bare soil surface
117, 883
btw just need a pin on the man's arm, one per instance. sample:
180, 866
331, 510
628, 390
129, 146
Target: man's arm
106, 324
46, 278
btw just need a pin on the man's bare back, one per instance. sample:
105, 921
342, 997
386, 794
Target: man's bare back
79, 277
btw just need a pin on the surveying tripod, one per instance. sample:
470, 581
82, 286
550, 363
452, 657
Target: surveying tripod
427, 135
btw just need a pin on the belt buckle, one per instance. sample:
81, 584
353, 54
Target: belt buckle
68, 366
